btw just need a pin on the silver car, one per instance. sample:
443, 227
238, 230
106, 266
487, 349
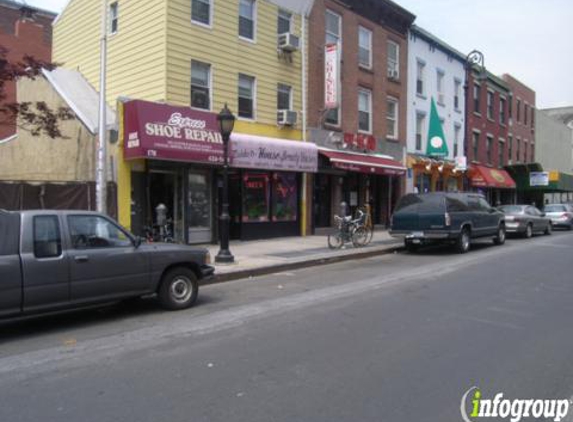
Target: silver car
525, 220
561, 215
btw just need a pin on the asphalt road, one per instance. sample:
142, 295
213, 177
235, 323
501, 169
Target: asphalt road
395, 338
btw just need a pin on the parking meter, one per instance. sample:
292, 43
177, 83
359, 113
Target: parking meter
161, 215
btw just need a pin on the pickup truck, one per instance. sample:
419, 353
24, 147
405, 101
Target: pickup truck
56, 260
446, 217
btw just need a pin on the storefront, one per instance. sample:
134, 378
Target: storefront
534, 185
176, 156
356, 179
496, 184
431, 175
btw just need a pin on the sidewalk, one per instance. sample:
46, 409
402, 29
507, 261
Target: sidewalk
259, 257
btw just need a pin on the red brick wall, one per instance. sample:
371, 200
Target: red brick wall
20, 37
519, 129
352, 76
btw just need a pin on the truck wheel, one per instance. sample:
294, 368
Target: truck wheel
179, 289
463, 241
499, 238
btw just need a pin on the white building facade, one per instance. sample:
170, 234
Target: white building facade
435, 72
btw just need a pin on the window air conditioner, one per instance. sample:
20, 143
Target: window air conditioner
393, 73
286, 117
288, 42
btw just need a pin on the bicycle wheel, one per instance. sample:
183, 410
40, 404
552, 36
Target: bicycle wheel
335, 240
370, 231
359, 236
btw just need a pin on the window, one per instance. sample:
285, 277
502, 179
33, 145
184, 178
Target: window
47, 238
201, 11
364, 47
517, 150
392, 118
518, 111
502, 111
92, 231
510, 148
333, 28
284, 197
489, 149
501, 152
247, 19
200, 85
476, 98
270, 197
420, 67
113, 18
525, 146
364, 110
333, 117
525, 110
457, 132
284, 97
420, 125
440, 87
490, 97
246, 96
457, 92
475, 145
284, 22
532, 118
393, 60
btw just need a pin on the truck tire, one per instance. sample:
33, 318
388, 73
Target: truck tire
463, 241
178, 289
499, 238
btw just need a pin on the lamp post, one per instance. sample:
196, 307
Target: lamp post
474, 58
226, 121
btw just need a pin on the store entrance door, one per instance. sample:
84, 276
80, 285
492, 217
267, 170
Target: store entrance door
199, 218
165, 187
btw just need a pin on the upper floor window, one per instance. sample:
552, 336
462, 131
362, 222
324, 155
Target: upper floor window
365, 110
517, 150
525, 110
440, 86
477, 89
201, 11
200, 85
420, 70
457, 131
393, 60
475, 145
510, 148
420, 127
490, 97
284, 22
364, 47
284, 97
392, 118
502, 111
246, 96
501, 151
518, 110
113, 18
333, 28
489, 149
247, 13
457, 93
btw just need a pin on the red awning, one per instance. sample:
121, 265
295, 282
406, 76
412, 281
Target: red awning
481, 176
363, 163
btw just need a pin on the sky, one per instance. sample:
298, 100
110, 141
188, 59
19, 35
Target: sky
529, 39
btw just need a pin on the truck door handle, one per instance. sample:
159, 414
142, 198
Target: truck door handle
81, 258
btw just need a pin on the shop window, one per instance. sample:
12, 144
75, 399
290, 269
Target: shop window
256, 203
285, 197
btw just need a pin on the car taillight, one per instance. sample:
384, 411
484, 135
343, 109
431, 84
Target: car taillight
447, 219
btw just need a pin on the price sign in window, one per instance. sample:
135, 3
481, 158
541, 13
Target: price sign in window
256, 200
285, 195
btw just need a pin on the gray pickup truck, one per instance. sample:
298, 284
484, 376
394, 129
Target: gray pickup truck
55, 260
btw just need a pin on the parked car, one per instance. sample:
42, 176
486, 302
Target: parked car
561, 215
444, 217
525, 220
53, 260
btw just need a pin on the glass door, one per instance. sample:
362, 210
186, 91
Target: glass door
199, 207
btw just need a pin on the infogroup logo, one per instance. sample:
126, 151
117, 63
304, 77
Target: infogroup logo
474, 407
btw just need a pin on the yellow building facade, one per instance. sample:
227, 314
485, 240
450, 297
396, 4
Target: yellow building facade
151, 49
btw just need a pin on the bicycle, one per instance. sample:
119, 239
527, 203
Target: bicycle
348, 230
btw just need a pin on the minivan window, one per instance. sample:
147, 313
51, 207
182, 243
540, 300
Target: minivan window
421, 203
47, 238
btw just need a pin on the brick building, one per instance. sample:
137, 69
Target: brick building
23, 30
486, 146
362, 141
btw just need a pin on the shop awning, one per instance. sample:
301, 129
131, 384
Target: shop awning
364, 163
486, 177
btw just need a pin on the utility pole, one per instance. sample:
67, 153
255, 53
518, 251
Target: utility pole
101, 157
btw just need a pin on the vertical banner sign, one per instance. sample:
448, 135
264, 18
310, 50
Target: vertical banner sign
331, 77
437, 146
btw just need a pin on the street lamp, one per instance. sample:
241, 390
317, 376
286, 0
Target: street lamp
473, 59
226, 121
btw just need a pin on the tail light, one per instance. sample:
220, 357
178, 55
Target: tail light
447, 219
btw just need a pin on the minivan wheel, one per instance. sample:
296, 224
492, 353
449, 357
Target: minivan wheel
528, 231
178, 289
499, 239
463, 241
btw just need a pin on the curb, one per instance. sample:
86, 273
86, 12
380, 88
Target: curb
275, 268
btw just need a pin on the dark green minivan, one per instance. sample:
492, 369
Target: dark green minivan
446, 217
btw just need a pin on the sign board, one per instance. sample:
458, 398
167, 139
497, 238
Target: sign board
462, 162
331, 77
539, 178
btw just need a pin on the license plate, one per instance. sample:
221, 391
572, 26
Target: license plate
416, 241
